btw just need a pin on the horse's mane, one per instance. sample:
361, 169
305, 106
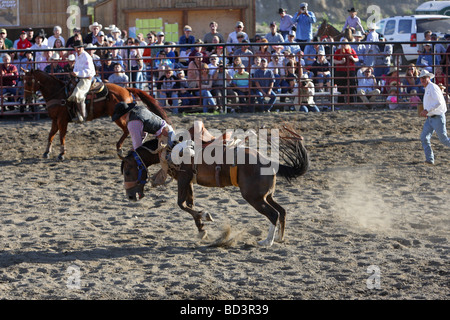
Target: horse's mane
45, 74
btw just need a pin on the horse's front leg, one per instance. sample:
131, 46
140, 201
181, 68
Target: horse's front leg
119, 143
186, 203
51, 136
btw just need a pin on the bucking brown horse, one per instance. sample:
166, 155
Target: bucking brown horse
56, 92
257, 186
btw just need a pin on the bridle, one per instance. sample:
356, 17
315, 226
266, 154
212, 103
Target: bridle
142, 170
34, 88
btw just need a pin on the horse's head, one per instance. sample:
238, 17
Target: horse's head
30, 84
134, 169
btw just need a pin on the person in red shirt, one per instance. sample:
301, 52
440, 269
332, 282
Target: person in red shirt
9, 76
22, 43
345, 72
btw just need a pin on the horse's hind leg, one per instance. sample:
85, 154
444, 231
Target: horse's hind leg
62, 125
281, 219
262, 206
51, 136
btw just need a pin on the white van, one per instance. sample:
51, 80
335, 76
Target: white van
411, 28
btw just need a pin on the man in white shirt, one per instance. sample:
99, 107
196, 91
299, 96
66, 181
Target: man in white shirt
84, 70
434, 109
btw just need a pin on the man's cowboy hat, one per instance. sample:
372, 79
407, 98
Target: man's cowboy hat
305, 77
352, 10
116, 30
95, 24
358, 34
122, 109
78, 43
425, 73
55, 56
392, 70
111, 27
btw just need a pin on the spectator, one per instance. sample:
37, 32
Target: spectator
304, 20
311, 51
168, 89
38, 44
91, 50
245, 54
367, 87
95, 28
274, 36
425, 59
392, 98
255, 66
264, 81
3, 34
107, 66
193, 72
218, 51
344, 59
321, 69
119, 77
285, 23
353, 21
411, 80
59, 45
22, 43
220, 77
263, 51
307, 91
30, 35
291, 44
277, 67
116, 35
54, 68
290, 80
45, 60
427, 37
149, 55
439, 77
372, 36
439, 50
70, 40
184, 94
414, 99
186, 38
233, 36
9, 77
57, 30
383, 59
206, 87
2, 44
241, 85
208, 38
198, 49
359, 47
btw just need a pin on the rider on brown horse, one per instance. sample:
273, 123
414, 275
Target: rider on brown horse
84, 71
140, 122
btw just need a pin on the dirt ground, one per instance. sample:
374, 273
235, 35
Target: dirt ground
368, 221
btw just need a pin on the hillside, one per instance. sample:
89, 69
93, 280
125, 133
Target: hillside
334, 10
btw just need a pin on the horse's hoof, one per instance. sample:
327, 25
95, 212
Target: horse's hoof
46, 155
61, 157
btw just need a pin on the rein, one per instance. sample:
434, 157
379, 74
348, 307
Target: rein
33, 89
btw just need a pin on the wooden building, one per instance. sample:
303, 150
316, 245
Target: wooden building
171, 16
18, 14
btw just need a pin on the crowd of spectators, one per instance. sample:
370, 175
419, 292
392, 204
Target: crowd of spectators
249, 72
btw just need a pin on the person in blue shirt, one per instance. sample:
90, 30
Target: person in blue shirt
186, 38
425, 59
311, 51
304, 20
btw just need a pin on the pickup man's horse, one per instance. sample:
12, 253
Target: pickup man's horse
55, 93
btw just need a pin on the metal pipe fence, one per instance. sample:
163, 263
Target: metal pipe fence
183, 83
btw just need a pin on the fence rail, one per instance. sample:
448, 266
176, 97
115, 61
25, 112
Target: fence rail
210, 86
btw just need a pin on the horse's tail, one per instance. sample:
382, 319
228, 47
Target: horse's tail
151, 103
296, 159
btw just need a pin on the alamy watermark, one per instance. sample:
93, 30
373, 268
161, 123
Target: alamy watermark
265, 142
74, 277
374, 281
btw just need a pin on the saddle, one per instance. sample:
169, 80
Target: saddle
98, 92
